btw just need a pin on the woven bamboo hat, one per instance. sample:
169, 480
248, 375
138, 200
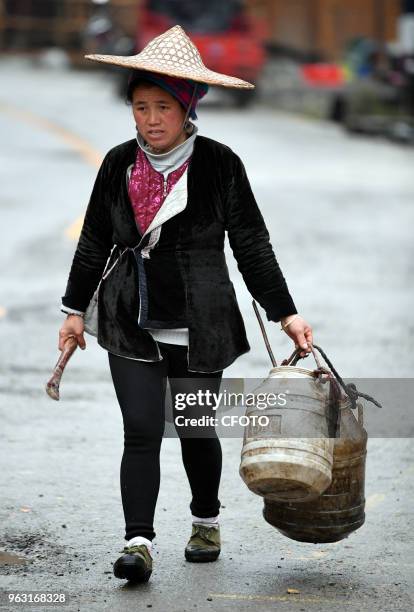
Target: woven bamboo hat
173, 53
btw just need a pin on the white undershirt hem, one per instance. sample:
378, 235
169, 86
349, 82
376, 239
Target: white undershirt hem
170, 336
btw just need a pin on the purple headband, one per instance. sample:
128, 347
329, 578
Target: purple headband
181, 89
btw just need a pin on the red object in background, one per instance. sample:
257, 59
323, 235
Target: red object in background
228, 39
231, 53
323, 75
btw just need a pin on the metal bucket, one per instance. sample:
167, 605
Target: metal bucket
277, 464
340, 510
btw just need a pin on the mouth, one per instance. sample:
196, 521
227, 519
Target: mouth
155, 133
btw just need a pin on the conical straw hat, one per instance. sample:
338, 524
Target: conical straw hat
173, 53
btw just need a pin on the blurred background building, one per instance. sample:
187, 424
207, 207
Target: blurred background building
322, 28
314, 27
349, 60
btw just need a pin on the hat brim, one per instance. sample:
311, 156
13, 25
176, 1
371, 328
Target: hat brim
201, 74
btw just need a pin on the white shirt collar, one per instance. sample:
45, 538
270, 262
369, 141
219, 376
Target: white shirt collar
170, 161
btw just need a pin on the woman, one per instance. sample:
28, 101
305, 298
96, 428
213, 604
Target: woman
159, 209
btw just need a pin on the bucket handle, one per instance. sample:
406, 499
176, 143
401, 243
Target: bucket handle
295, 356
350, 389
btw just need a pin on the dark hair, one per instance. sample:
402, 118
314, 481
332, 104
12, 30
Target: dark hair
133, 82
185, 91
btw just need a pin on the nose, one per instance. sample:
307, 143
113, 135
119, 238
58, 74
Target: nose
153, 116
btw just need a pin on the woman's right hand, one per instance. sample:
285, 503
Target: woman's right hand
72, 326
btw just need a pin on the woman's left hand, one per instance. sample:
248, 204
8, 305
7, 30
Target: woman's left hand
300, 331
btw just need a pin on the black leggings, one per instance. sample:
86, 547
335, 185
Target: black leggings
141, 388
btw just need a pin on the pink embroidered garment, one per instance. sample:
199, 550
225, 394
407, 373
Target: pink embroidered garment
148, 190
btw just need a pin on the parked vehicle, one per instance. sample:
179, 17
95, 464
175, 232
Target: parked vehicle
378, 98
228, 39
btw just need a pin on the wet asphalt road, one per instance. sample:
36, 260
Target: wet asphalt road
340, 214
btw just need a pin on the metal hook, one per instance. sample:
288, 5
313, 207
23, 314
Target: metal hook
262, 327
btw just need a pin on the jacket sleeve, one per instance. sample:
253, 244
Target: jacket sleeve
94, 246
249, 241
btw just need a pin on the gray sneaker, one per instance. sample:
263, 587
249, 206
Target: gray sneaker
135, 564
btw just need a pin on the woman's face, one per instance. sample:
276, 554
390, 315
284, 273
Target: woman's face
158, 116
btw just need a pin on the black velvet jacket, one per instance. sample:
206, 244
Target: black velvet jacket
188, 259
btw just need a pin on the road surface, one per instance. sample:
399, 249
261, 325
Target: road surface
340, 214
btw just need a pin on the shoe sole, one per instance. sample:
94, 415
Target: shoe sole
201, 556
132, 572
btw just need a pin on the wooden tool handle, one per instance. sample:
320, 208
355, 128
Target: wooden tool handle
52, 386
